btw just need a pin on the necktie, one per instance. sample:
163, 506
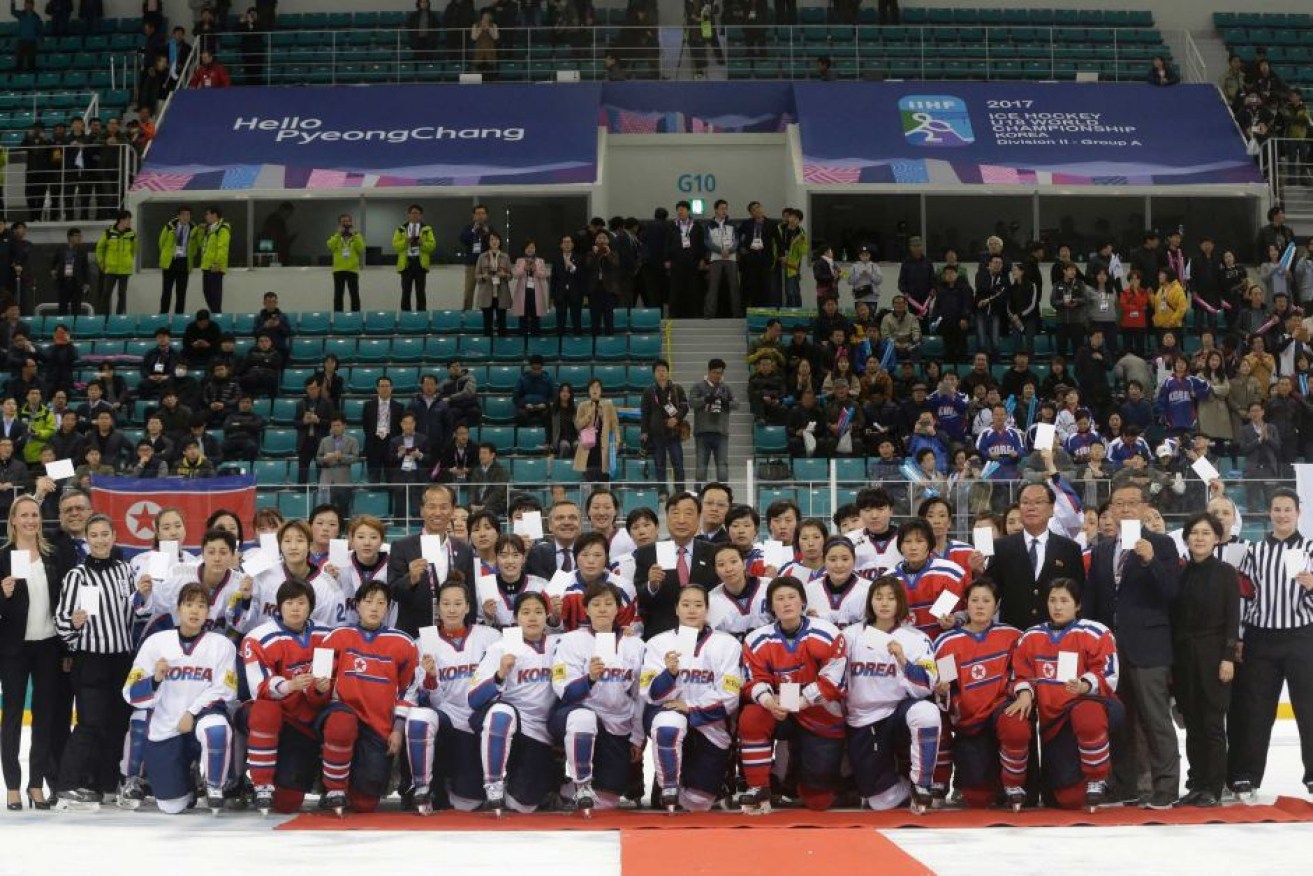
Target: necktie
681, 567
1034, 557
567, 561
1122, 557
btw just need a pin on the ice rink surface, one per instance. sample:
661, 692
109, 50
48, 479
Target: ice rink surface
196, 844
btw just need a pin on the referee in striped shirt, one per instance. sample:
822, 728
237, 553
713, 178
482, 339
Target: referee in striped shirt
1277, 646
94, 619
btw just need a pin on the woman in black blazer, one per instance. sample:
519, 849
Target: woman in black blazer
29, 650
1205, 631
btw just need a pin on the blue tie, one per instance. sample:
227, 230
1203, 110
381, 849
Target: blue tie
1034, 557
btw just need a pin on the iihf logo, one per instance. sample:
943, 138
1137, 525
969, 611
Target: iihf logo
935, 120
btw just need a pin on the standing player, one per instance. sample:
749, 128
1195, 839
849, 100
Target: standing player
810, 562
375, 671
512, 580
188, 677
1074, 714
939, 514
926, 577
368, 563
282, 747
443, 750
598, 718
169, 526
690, 698
259, 599
795, 680
875, 543
512, 696
591, 570
989, 739
890, 676
839, 594
737, 605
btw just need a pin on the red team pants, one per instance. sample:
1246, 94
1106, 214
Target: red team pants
757, 745
1089, 722
341, 730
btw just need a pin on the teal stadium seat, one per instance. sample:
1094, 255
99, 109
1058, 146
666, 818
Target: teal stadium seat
279, 442
317, 322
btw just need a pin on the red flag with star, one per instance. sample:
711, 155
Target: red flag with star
133, 503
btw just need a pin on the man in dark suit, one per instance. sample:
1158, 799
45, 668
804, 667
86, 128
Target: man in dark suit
407, 465
413, 580
1131, 591
658, 588
716, 499
1023, 583
556, 552
382, 422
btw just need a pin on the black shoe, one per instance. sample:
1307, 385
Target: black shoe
1161, 800
42, 805
1205, 800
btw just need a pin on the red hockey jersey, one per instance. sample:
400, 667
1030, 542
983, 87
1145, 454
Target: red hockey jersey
273, 656
1035, 666
923, 588
960, 552
984, 671
814, 656
376, 673
574, 615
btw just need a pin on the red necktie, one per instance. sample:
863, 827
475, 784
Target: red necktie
567, 560
681, 567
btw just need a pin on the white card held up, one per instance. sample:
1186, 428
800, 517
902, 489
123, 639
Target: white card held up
604, 647
945, 604
1067, 666
430, 548
1206, 470
60, 469
1131, 532
947, 668
1045, 433
1234, 554
339, 553
1296, 563
322, 665
269, 544
158, 565
530, 525
790, 696
429, 641
666, 555
559, 583
686, 642
485, 588
385, 548
257, 563
876, 638
89, 600
776, 554
983, 538
20, 563
512, 640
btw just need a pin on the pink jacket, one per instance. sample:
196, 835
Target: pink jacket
520, 274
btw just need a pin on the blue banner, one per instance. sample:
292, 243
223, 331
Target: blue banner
696, 107
375, 136
993, 133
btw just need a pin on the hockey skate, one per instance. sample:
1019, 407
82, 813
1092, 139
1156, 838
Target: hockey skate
336, 801
1245, 792
132, 793
423, 800
1016, 798
755, 801
214, 800
264, 799
1095, 795
921, 800
79, 800
670, 799
495, 795
938, 796
584, 799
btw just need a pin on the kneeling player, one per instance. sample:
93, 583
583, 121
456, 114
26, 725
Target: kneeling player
443, 751
891, 674
696, 690
795, 682
188, 677
1074, 699
598, 689
375, 672
512, 696
990, 738
282, 745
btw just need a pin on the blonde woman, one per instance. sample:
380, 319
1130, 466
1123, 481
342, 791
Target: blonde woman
30, 650
599, 427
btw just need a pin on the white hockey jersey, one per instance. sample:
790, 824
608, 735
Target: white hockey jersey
505, 609
351, 578
739, 615
528, 686
711, 682
330, 606
457, 659
876, 685
614, 697
841, 607
202, 673
223, 599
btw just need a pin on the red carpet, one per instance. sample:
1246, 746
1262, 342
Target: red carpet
649, 853
1284, 810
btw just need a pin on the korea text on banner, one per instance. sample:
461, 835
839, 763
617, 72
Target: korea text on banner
379, 136
132, 504
996, 133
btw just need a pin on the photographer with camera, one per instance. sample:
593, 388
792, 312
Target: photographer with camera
712, 401
603, 284
348, 248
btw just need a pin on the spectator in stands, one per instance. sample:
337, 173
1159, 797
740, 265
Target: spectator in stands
252, 46
460, 394
903, 330
147, 464
700, 34
381, 419
562, 435
30, 29
70, 266
58, 361
116, 257
1233, 82
721, 242
406, 461
313, 416
1069, 300
568, 287
431, 416
712, 401
200, 341
534, 391
39, 425
154, 83
337, 452
20, 258
423, 25
664, 425
766, 392
193, 464
214, 257
916, 278
157, 365
219, 395
68, 440
1161, 72
210, 73
180, 250
1134, 301
530, 289
1271, 273
455, 458
177, 53
488, 482
11, 426
599, 432
493, 274
1169, 303
473, 242
684, 255
261, 369
243, 430
1260, 445
90, 464
955, 308
843, 421
329, 375
272, 321
484, 35
604, 277
347, 247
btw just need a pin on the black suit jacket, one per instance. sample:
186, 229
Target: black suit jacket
376, 448
1139, 610
658, 609
415, 602
542, 560
13, 610
1023, 598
